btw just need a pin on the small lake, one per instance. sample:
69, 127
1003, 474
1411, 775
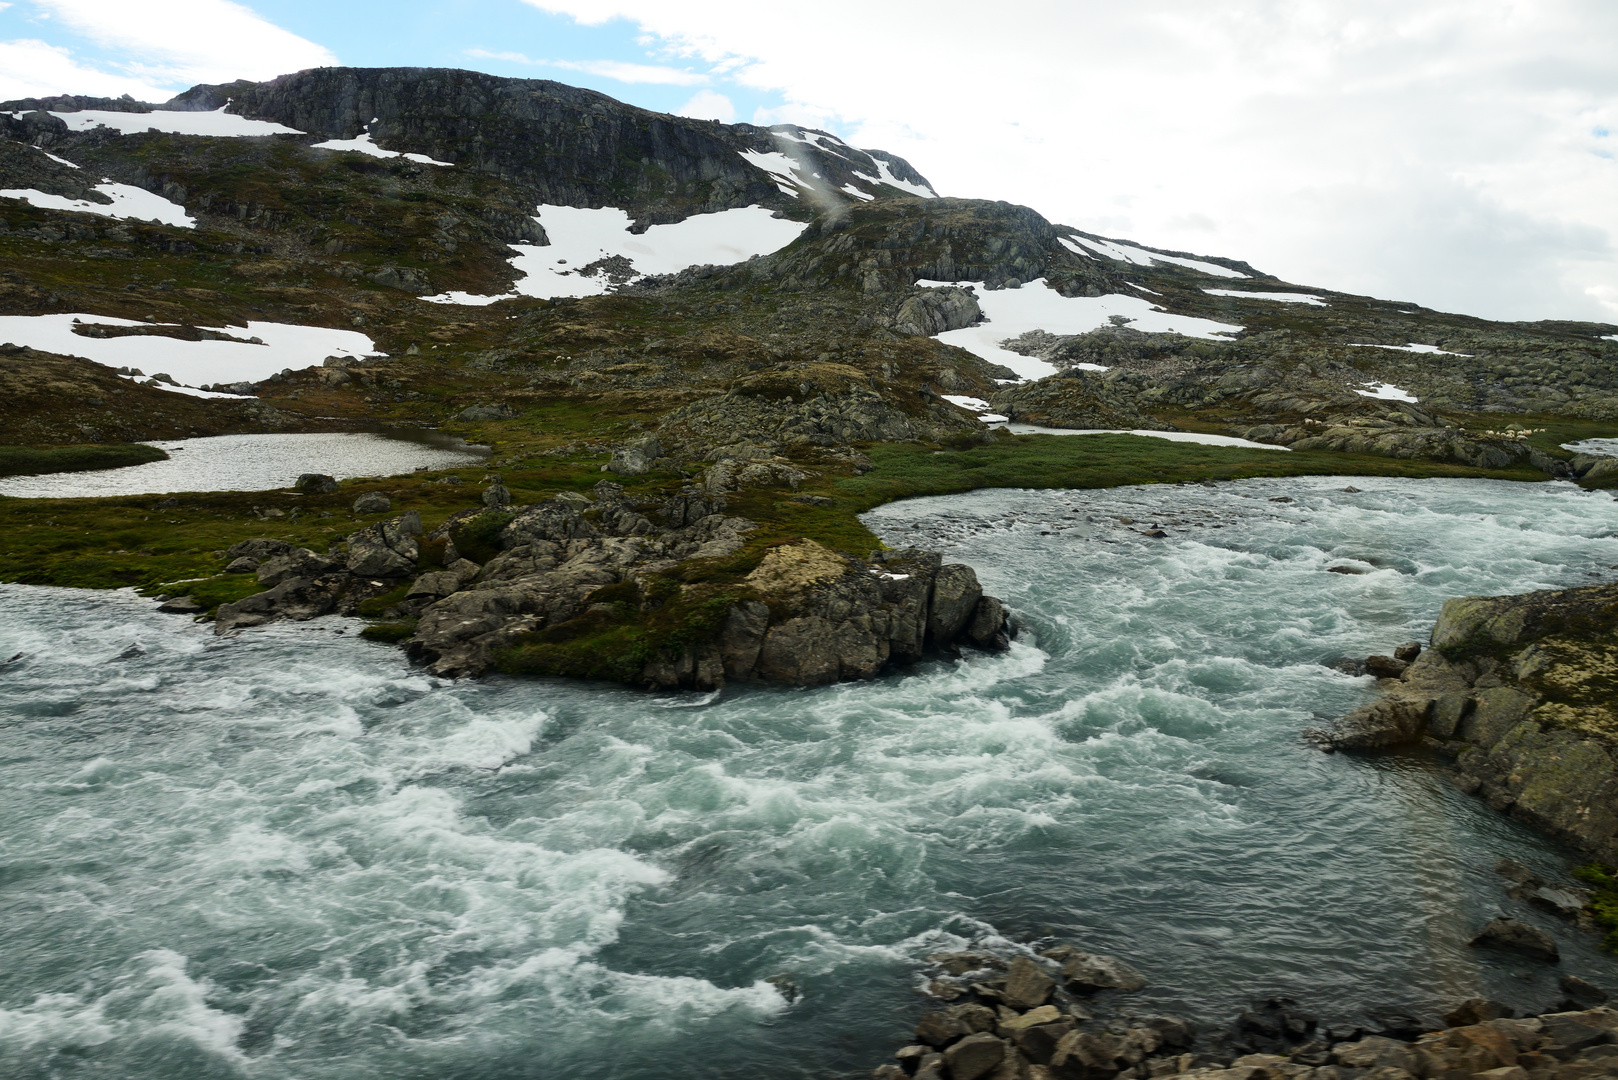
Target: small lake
256, 463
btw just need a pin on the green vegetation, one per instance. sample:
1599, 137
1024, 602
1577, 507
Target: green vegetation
1603, 905
32, 460
905, 470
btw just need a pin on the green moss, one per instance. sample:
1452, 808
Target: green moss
209, 592
377, 606
391, 632
1603, 906
33, 460
479, 538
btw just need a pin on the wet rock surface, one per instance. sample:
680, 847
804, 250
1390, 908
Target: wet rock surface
1520, 694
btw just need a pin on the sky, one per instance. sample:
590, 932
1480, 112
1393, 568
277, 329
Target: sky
1459, 155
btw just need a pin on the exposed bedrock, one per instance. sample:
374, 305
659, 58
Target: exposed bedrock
1522, 693
663, 595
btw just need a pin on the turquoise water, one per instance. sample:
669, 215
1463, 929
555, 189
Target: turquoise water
289, 854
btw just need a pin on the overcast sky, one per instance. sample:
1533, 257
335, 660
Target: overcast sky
1456, 154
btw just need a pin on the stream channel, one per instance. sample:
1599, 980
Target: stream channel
288, 854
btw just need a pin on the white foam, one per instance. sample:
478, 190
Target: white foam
1279, 297
1036, 306
1594, 447
128, 202
363, 144
216, 123
1387, 392
1411, 348
1171, 436
581, 236
286, 345
1141, 257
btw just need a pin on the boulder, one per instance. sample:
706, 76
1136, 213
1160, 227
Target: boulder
1407, 652
1400, 717
496, 495
294, 598
1581, 992
1086, 973
311, 483
372, 502
954, 599
1027, 985
974, 1056
180, 605
1384, 667
990, 626
244, 565
299, 562
635, 458
259, 548
1476, 1011
386, 550
500, 411
1513, 936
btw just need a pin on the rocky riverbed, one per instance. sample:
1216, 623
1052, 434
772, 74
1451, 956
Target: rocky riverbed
1064, 1014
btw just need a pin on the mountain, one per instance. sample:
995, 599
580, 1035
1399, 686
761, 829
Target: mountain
764, 318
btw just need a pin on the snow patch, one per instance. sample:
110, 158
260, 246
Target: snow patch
58, 160
363, 144
1171, 436
1279, 297
580, 237
216, 123
1036, 306
1387, 392
1141, 257
1143, 288
196, 362
128, 202
971, 404
1609, 337
885, 176
779, 166
1413, 348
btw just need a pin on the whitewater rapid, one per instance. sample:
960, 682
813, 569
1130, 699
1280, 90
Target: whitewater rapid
290, 854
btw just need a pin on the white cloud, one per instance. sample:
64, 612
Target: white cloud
608, 69
35, 69
1443, 151
709, 105
177, 43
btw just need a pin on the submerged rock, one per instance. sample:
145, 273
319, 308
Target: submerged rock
1514, 936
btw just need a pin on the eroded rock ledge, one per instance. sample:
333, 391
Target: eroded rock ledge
664, 595
1521, 692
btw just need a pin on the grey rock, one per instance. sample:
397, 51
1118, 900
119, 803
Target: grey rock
935, 311
500, 411
1476, 1011
938, 1028
1407, 652
372, 502
1375, 1052
180, 605
1027, 985
954, 598
1581, 991
316, 484
258, 548
974, 1056
386, 550
1385, 667
635, 458
990, 626
1087, 973
496, 496
244, 565
299, 562
1513, 936
1393, 720
295, 598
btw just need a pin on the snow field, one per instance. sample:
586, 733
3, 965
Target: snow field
1171, 436
216, 123
581, 236
1141, 257
195, 362
128, 202
1035, 306
1407, 348
1279, 297
363, 144
1387, 392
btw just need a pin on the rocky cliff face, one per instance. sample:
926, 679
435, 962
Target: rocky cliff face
1521, 692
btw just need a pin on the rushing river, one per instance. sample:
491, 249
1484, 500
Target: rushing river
290, 855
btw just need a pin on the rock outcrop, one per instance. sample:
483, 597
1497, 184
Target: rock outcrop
1521, 692
648, 594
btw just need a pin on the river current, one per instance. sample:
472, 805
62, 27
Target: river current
288, 854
